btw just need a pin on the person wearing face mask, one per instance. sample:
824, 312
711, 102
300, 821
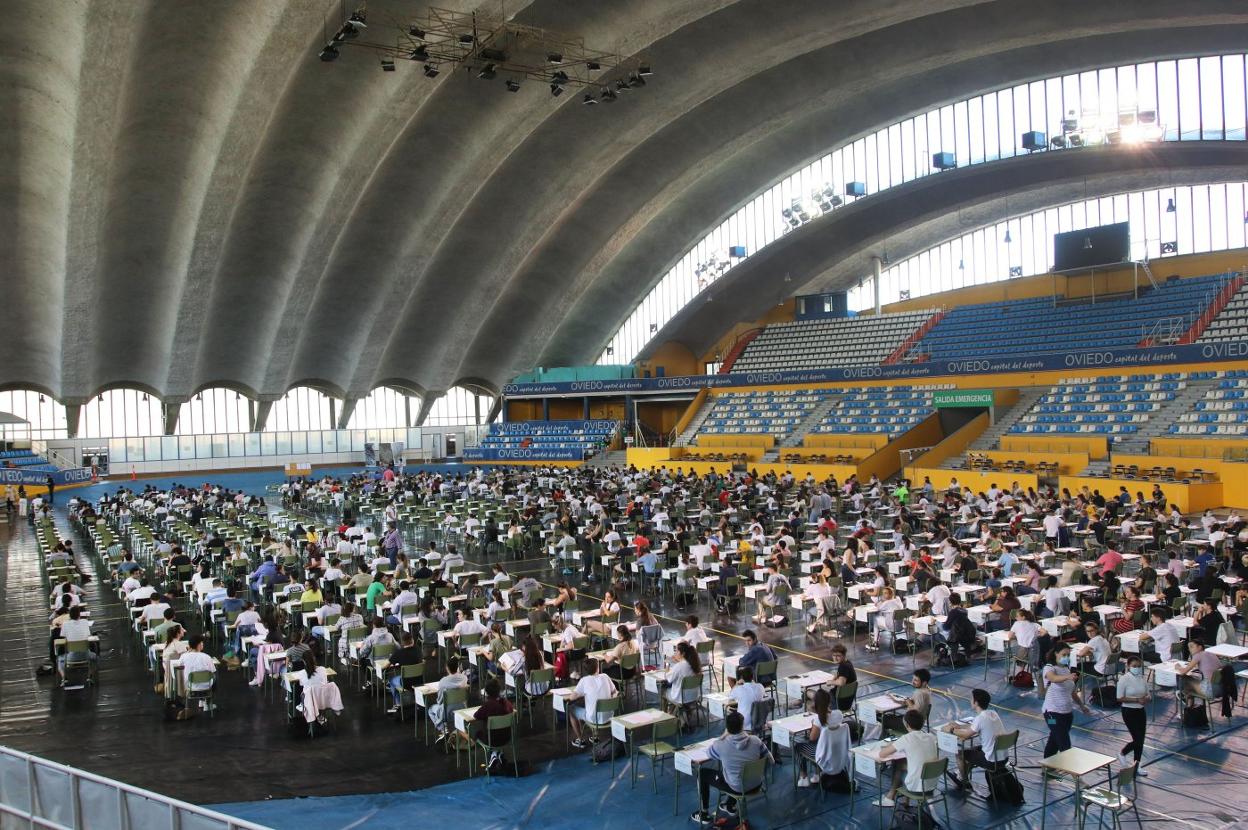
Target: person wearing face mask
1060, 697
1133, 694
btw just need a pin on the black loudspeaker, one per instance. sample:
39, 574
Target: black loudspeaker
1033, 140
1105, 245
943, 161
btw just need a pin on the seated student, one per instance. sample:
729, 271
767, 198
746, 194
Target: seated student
755, 653
825, 750
626, 645
987, 727
493, 706
1053, 598
846, 675
778, 590
1157, 642
694, 634
196, 660
685, 663
320, 694
913, 749
454, 679
746, 693
882, 620
1201, 670
1002, 607
73, 629
721, 591
539, 616
380, 635
175, 646
957, 630
530, 660
920, 700
407, 654
405, 599
734, 749
1099, 650
591, 688
466, 625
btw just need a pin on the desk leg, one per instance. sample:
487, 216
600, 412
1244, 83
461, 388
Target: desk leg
1044, 797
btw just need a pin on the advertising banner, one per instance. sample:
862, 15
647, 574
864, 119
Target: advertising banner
16, 476
522, 454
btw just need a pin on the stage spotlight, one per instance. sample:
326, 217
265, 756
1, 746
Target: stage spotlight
329, 53
487, 72
387, 65
556, 90
416, 32
431, 71
589, 99
608, 95
513, 86
554, 57
420, 53
644, 70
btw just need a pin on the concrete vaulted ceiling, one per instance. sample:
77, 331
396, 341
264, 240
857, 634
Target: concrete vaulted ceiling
191, 198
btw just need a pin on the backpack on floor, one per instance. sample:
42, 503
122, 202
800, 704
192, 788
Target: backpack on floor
906, 817
603, 750
1004, 786
1195, 717
1022, 679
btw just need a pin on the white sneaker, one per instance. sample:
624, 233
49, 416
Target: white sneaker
1140, 772
883, 801
1124, 760
805, 782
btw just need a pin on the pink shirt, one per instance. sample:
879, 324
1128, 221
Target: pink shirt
1109, 560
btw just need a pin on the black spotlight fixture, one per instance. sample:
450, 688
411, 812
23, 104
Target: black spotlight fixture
416, 32
608, 95
1169, 247
589, 99
431, 71
494, 55
513, 86
635, 80
593, 66
466, 39
621, 85
420, 53
1170, 206
387, 64
488, 72
556, 90
554, 57
329, 53
644, 70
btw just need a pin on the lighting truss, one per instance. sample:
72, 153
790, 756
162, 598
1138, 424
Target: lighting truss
489, 46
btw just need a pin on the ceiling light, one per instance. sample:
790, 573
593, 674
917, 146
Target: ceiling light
554, 57
1170, 206
1087, 243
513, 86
466, 39
431, 71
610, 350
1008, 240
593, 66
487, 72
636, 80
387, 64
494, 55
420, 53
556, 90
644, 70
590, 99
1016, 270
416, 32
42, 400
608, 95
654, 327
621, 86
329, 53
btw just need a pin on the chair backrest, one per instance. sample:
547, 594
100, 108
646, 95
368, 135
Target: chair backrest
663, 729
754, 776
630, 661
760, 712
466, 640
1004, 743
608, 705
847, 692
933, 772
454, 697
382, 650
540, 678
77, 646
706, 651
412, 671
1126, 777
652, 635
198, 677
690, 688
765, 668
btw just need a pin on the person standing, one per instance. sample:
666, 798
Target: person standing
51, 490
393, 543
1132, 695
1060, 697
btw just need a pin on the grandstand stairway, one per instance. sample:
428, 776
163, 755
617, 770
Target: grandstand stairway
1006, 418
611, 458
811, 421
685, 438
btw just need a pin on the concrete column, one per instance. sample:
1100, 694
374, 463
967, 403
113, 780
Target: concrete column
545, 409
344, 415
876, 266
426, 406
585, 409
260, 409
73, 414
172, 407
496, 409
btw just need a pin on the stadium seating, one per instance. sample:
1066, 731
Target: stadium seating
27, 461
1034, 326
890, 410
843, 341
1223, 411
760, 413
1110, 405
584, 436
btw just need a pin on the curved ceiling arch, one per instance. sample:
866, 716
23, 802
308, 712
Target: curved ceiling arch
835, 251
183, 209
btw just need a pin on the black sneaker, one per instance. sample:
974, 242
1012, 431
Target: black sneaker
701, 817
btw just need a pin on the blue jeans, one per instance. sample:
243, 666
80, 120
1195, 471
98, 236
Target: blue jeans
396, 689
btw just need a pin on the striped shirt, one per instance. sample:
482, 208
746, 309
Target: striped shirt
1057, 696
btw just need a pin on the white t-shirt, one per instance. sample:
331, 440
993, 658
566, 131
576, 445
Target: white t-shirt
1025, 632
746, 695
918, 748
938, 596
1052, 523
593, 688
1164, 636
987, 725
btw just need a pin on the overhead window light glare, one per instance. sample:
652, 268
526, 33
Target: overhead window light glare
431, 71
487, 72
387, 65
329, 53
513, 86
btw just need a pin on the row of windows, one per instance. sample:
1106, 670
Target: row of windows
1186, 220
1176, 100
120, 413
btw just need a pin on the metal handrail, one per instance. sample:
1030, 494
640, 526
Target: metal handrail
61, 806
